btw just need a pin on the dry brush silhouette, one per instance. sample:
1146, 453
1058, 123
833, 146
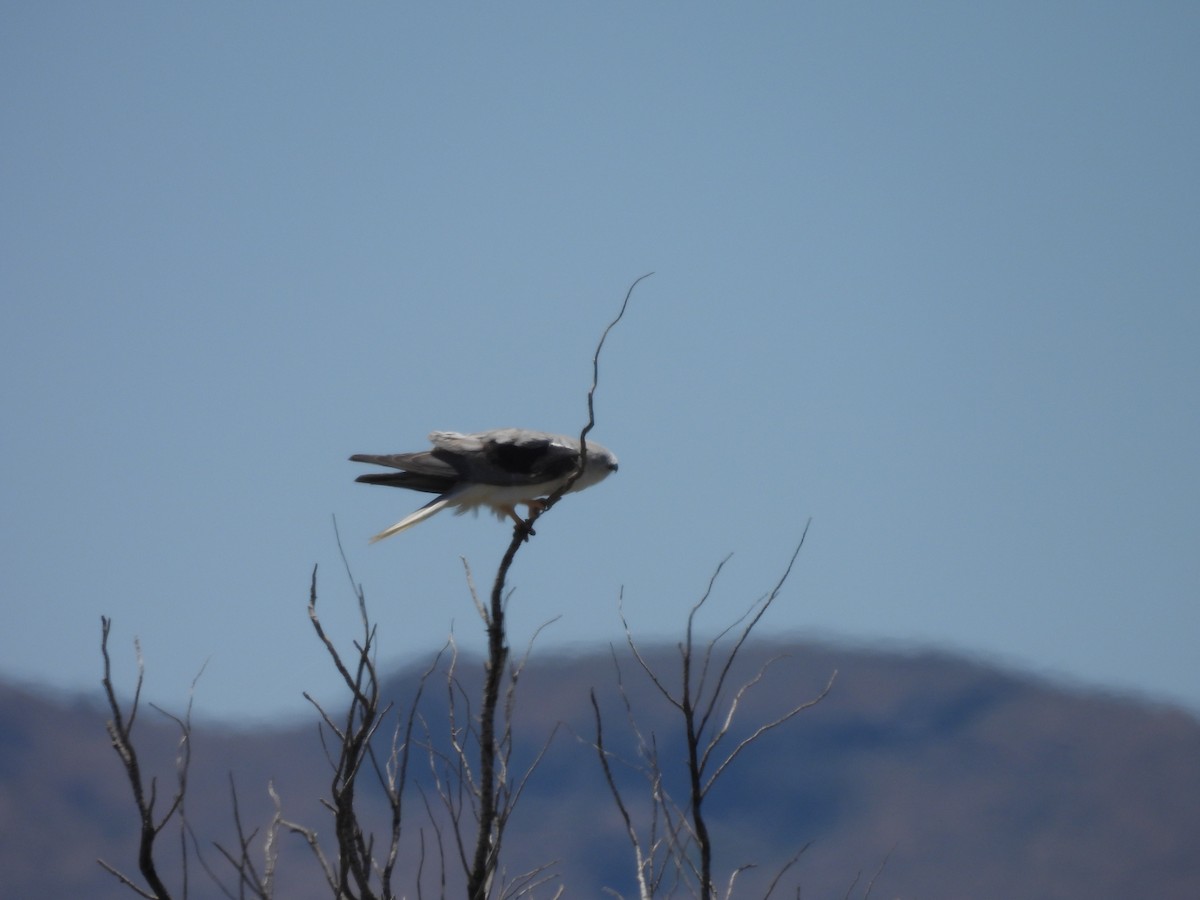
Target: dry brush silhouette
471, 788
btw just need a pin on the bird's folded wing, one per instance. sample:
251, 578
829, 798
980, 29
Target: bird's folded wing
532, 461
424, 462
506, 456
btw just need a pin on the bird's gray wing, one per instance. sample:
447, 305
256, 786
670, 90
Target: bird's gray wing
507, 456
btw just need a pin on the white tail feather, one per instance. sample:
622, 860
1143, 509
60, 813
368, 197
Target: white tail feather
429, 509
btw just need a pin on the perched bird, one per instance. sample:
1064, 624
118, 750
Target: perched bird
498, 469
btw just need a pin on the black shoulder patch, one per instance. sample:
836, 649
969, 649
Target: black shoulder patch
541, 459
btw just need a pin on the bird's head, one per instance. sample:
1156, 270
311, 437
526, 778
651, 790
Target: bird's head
600, 463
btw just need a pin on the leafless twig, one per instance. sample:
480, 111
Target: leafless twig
120, 730
703, 690
359, 873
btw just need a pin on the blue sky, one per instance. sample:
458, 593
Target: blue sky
925, 273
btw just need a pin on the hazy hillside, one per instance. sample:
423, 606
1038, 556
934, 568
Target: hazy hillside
971, 782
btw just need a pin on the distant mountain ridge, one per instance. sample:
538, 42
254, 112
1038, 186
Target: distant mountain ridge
968, 780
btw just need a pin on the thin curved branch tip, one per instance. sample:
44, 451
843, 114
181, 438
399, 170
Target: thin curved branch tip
596, 361
525, 530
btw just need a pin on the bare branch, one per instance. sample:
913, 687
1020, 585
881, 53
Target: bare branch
637, 655
538, 512
492, 793
125, 880
310, 837
240, 861
271, 844
437, 833
878, 872
640, 860
596, 358
120, 730
763, 729
705, 675
685, 649
749, 626
394, 776
350, 680
733, 877
357, 868
479, 607
527, 883
783, 871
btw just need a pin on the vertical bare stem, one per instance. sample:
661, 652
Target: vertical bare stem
491, 816
120, 730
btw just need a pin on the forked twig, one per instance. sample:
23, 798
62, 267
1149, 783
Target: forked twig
704, 677
120, 731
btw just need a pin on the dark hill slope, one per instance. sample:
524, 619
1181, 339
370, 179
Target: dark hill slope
970, 781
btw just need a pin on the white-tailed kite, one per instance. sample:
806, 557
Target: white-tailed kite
498, 469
